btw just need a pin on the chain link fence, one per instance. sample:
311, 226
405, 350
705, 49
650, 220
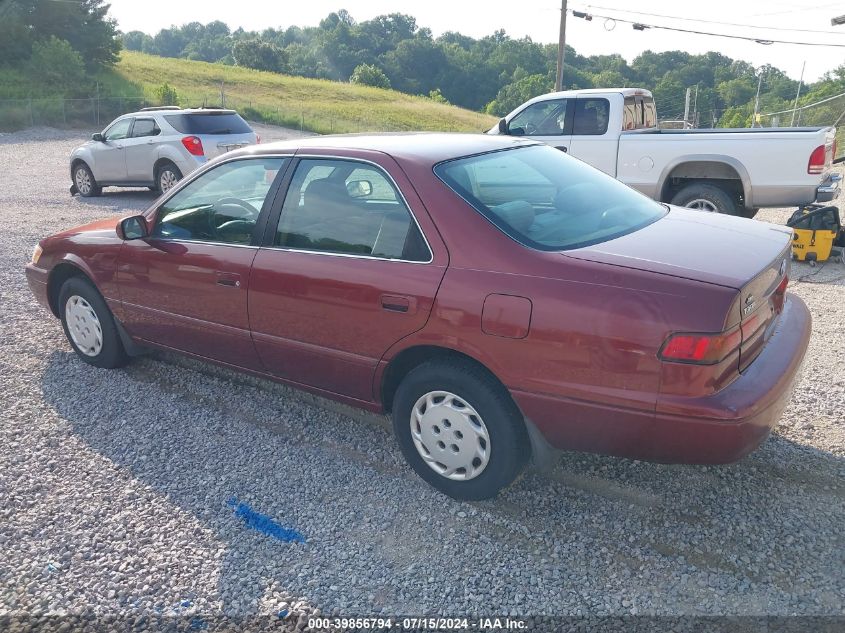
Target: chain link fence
97, 112
825, 112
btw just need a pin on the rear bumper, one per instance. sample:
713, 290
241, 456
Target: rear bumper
715, 429
829, 189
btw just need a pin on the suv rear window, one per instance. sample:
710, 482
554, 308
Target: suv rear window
208, 123
546, 200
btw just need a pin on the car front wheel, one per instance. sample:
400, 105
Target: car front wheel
89, 325
84, 181
459, 430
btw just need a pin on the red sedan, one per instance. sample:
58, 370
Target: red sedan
498, 297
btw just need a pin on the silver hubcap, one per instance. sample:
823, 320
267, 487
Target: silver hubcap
83, 181
702, 205
84, 326
450, 435
167, 179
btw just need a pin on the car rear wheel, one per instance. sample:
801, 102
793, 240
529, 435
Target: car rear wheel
89, 325
84, 181
459, 430
705, 197
167, 177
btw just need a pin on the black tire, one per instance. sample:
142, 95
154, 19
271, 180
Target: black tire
748, 213
84, 181
509, 447
163, 173
718, 197
111, 353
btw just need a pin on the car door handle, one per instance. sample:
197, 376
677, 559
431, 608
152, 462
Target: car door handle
231, 280
394, 303
563, 148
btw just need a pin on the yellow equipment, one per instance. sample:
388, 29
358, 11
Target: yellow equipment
816, 229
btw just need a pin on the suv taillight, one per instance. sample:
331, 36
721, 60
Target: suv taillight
194, 145
817, 161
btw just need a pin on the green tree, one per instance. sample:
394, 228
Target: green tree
84, 24
166, 95
512, 95
369, 75
437, 96
253, 53
56, 67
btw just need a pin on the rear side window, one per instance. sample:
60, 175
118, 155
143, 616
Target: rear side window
351, 208
591, 116
546, 200
144, 127
208, 123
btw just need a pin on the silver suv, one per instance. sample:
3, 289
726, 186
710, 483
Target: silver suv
155, 148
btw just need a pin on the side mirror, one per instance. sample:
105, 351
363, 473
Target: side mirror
503, 127
97, 136
133, 228
359, 188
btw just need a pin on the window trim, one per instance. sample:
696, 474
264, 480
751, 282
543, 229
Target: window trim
276, 213
260, 223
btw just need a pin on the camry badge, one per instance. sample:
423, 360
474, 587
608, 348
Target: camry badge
749, 305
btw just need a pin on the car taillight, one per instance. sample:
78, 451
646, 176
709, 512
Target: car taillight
193, 145
817, 161
782, 285
701, 349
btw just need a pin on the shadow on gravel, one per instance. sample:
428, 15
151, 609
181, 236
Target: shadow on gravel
118, 200
754, 537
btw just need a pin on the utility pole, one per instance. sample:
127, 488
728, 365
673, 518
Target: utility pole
686, 105
561, 47
797, 94
757, 100
695, 108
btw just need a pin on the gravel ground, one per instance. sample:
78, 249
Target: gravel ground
118, 485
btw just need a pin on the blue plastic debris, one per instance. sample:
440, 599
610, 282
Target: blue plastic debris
264, 524
198, 624
283, 614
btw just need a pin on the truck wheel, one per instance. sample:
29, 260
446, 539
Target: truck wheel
706, 197
459, 430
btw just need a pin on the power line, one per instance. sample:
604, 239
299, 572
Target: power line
677, 17
759, 40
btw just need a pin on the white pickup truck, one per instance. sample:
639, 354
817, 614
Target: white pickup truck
734, 171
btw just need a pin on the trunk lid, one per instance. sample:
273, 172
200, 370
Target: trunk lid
217, 144
708, 247
750, 256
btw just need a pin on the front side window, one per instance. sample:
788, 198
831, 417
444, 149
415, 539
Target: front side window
544, 118
119, 130
144, 127
591, 117
222, 205
546, 200
348, 207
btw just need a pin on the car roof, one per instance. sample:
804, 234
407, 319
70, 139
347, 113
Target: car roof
428, 147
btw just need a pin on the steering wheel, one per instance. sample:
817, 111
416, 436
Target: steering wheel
529, 128
250, 213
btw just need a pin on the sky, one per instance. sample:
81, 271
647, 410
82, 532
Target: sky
539, 19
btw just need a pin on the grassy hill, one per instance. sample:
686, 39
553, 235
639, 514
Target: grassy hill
311, 104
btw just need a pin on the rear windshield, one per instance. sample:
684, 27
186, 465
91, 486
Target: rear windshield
546, 200
208, 123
